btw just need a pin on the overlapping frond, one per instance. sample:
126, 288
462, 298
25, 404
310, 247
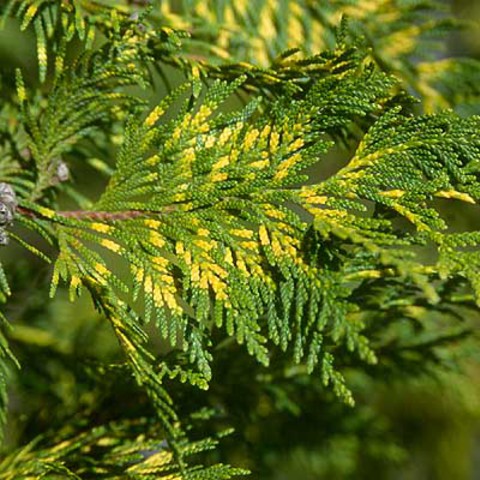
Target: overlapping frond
198, 36
82, 18
397, 33
402, 37
402, 164
197, 207
134, 449
85, 99
200, 209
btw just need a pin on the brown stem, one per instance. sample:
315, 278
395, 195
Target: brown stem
102, 216
105, 216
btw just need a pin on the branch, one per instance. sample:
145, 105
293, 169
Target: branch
99, 215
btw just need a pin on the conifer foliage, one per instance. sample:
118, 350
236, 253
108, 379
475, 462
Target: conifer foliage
212, 225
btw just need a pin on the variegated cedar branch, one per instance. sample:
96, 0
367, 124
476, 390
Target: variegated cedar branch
203, 221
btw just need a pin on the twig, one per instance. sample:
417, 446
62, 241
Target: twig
99, 215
